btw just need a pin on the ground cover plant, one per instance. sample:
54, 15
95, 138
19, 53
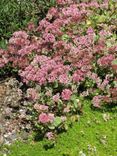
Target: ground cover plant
70, 56
93, 135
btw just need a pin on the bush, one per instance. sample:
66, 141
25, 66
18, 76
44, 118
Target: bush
69, 56
15, 14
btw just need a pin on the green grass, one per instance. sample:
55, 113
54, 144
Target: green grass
92, 135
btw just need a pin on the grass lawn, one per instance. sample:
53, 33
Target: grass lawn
94, 134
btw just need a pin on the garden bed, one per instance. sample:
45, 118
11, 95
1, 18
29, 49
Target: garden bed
61, 69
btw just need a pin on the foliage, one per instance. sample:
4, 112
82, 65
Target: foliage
15, 14
70, 55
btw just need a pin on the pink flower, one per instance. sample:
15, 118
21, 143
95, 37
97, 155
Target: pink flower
21, 34
90, 30
49, 135
63, 79
31, 26
3, 62
48, 93
44, 118
49, 37
66, 94
78, 76
51, 117
106, 60
66, 110
104, 84
32, 94
41, 107
52, 13
97, 101
56, 97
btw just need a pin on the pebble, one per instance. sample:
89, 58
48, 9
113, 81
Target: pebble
12, 112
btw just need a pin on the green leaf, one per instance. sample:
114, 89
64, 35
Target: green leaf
57, 121
65, 37
66, 127
114, 62
73, 97
55, 84
101, 19
76, 104
52, 127
96, 38
115, 83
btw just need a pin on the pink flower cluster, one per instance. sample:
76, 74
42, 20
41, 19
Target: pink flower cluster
41, 108
56, 97
3, 58
66, 56
46, 118
44, 69
32, 94
97, 101
106, 60
49, 135
66, 94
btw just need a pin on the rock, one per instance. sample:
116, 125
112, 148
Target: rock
13, 112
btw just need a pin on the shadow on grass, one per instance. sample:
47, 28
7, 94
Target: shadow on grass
106, 108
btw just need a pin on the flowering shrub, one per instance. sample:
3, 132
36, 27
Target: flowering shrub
72, 54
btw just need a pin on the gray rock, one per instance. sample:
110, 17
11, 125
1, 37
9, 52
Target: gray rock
12, 112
